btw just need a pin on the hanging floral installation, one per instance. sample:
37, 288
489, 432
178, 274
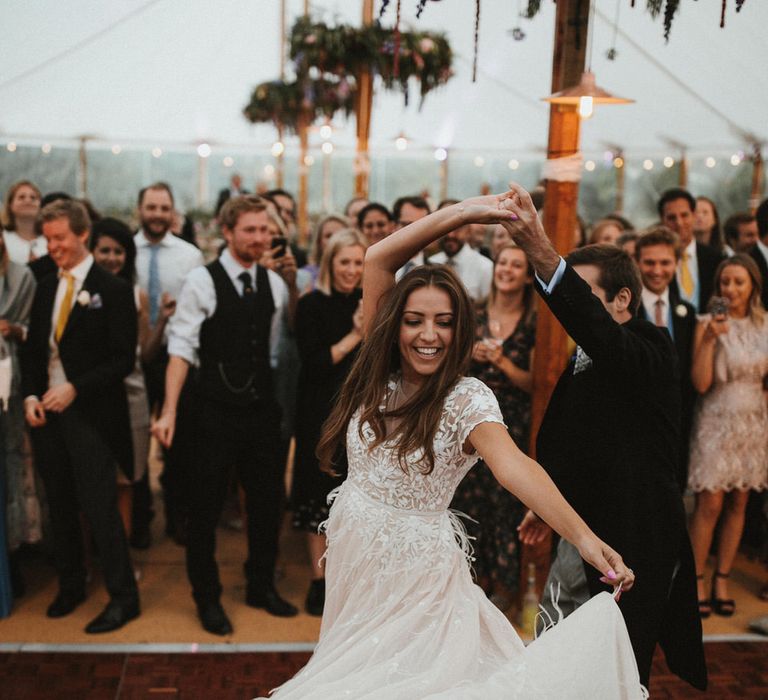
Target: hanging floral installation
327, 59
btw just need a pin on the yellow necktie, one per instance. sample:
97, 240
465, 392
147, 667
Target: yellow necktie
66, 306
686, 277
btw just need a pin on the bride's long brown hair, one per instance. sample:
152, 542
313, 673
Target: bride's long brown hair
379, 357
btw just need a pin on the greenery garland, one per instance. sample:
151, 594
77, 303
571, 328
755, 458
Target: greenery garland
327, 59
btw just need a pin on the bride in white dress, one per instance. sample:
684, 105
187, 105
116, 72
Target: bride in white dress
403, 619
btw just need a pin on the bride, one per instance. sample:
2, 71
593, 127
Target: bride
402, 616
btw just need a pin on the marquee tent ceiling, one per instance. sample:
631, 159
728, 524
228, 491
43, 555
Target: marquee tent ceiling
180, 71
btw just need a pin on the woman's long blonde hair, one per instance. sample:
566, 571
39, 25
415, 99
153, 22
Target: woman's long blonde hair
341, 239
755, 309
377, 360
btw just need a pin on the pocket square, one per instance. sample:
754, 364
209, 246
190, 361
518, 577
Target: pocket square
95, 301
583, 361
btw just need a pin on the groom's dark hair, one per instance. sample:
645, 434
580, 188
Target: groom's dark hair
617, 270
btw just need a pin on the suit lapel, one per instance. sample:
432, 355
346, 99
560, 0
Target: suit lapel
79, 310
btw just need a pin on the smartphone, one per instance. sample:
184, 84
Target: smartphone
279, 244
718, 306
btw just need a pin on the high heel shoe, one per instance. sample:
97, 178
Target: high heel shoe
705, 606
725, 607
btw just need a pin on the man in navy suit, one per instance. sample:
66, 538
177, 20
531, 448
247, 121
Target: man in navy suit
657, 253
81, 345
695, 278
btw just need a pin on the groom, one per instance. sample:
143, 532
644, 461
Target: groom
609, 441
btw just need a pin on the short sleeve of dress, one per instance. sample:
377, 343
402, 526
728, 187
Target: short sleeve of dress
474, 404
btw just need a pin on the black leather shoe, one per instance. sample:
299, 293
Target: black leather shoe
64, 603
316, 597
214, 619
113, 617
270, 600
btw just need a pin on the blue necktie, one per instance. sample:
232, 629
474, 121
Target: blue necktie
154, 284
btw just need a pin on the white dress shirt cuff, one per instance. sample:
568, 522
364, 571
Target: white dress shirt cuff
548, 288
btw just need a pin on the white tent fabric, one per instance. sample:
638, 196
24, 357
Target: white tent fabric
180, 71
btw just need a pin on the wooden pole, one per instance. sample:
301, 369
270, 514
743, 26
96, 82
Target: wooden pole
363, 106
302, 217
444, 177
561, 198
82, 180
281, 155
620, 173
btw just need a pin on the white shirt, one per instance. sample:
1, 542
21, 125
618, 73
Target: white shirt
197, 302
56, 375
175, 259
416, 261
649, 300
474, 269
690, 251
20, 250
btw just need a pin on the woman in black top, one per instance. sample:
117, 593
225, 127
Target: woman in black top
328, 334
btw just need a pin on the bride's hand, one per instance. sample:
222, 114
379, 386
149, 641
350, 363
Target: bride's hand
608, 562
487, 209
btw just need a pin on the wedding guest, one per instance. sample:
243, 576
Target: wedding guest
20, 209
474, 269
353, 207
44, 265
729, 451
656, 254
375, 221
741, 234
183, 227
605, 231
228, 320
286, 209
235, 189
162, 264
80, 347
328, 334
6, 586
502, 359
325, 228
21, 507
627, 241
698, 262
500, 237
706, 224
405, 211
114, 249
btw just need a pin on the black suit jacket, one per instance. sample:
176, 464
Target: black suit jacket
707, 260
609, 439
42, 267
224, 196
97, 350
762, 265
683, 329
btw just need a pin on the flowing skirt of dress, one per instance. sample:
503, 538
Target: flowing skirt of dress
403, 620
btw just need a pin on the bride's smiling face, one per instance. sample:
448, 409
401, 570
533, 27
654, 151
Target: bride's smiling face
426, 332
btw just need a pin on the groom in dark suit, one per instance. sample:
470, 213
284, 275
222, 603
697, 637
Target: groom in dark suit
609, 441
657, 252
81, 345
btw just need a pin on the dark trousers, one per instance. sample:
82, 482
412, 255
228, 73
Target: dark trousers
80, 475
247, 440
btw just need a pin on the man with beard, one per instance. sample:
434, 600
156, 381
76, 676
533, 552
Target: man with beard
162, 263
474, 269
228, 322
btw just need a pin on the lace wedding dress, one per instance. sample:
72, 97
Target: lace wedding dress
403, 619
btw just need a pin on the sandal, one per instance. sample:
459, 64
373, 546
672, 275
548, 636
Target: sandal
725, 607
705, 606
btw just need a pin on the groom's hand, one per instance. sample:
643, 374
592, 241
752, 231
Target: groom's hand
528, 232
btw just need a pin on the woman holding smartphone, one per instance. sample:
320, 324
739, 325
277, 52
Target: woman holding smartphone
729, 451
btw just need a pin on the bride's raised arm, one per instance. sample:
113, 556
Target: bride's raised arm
385, 258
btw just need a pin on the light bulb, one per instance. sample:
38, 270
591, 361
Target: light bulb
589, 165
401, 143
204, 150
327, 148
326, 131
669, 161
440, 154
586, 107
278, 148
513, 164
648, 164
228, 161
